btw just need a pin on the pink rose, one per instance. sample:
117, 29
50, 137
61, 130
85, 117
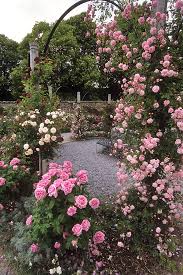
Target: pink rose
158, 230
2, 181
1, 163
85, 225
99, 237
94, 203
40, 193
53, 165
57, 245
82, 176
81, 201
34, 248
77, 229
71, 211
1, 207
52, 191
14, 161
67, 165
15, 167
29, 220
67, 187
155, 89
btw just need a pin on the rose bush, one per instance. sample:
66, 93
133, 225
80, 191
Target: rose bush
145, 51
68, 221
15, 181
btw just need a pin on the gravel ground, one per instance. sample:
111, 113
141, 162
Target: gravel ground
101, 167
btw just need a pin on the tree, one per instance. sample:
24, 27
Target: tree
9, 58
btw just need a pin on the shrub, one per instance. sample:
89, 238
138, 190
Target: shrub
15, 181
69, 219
147, 54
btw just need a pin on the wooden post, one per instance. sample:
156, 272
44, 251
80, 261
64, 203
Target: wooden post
78, 97
50, 91
109, 99
34, 52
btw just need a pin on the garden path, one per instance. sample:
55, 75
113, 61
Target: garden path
101, 167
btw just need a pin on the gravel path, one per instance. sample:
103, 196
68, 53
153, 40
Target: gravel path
101, 167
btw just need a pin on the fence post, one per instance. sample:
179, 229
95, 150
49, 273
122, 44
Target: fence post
78, 97
109, 99
50, 91
34, 52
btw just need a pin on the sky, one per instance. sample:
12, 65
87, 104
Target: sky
17, 17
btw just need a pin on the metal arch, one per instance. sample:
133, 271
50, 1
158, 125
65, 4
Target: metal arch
66, 13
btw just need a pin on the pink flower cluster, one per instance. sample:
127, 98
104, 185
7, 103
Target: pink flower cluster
47, 187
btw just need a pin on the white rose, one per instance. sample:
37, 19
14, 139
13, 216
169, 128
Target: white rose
59, 270
52, 271
47, 136
53, 130
41, 142
46, 140
34, 123
32, 116
30, 151
53, 138
41, 125
54, 116
45, 130
40, 130
26, 146
48, 114
47, 121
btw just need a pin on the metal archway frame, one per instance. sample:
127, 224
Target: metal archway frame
66, 13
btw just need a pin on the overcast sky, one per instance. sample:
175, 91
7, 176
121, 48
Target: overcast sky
17, 17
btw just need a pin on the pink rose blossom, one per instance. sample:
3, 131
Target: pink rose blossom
67, 186
29, 220
57, 245
82, 176
155, 89
94, 203
2, 181
158, 230
1, 163
34, 248
40, 193
1, 207
52, 191
14, 161
99, 237
85, 225
77, 229
81, 201
71, 211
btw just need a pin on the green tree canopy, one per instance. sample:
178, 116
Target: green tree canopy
9, 58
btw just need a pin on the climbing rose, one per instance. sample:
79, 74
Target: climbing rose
77, 229
99, 237
85, 225
94, 203
40, 193
2, 181
14, 161
34, 248
57, 245
29, 220
81, 201
1, 163
155, 89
